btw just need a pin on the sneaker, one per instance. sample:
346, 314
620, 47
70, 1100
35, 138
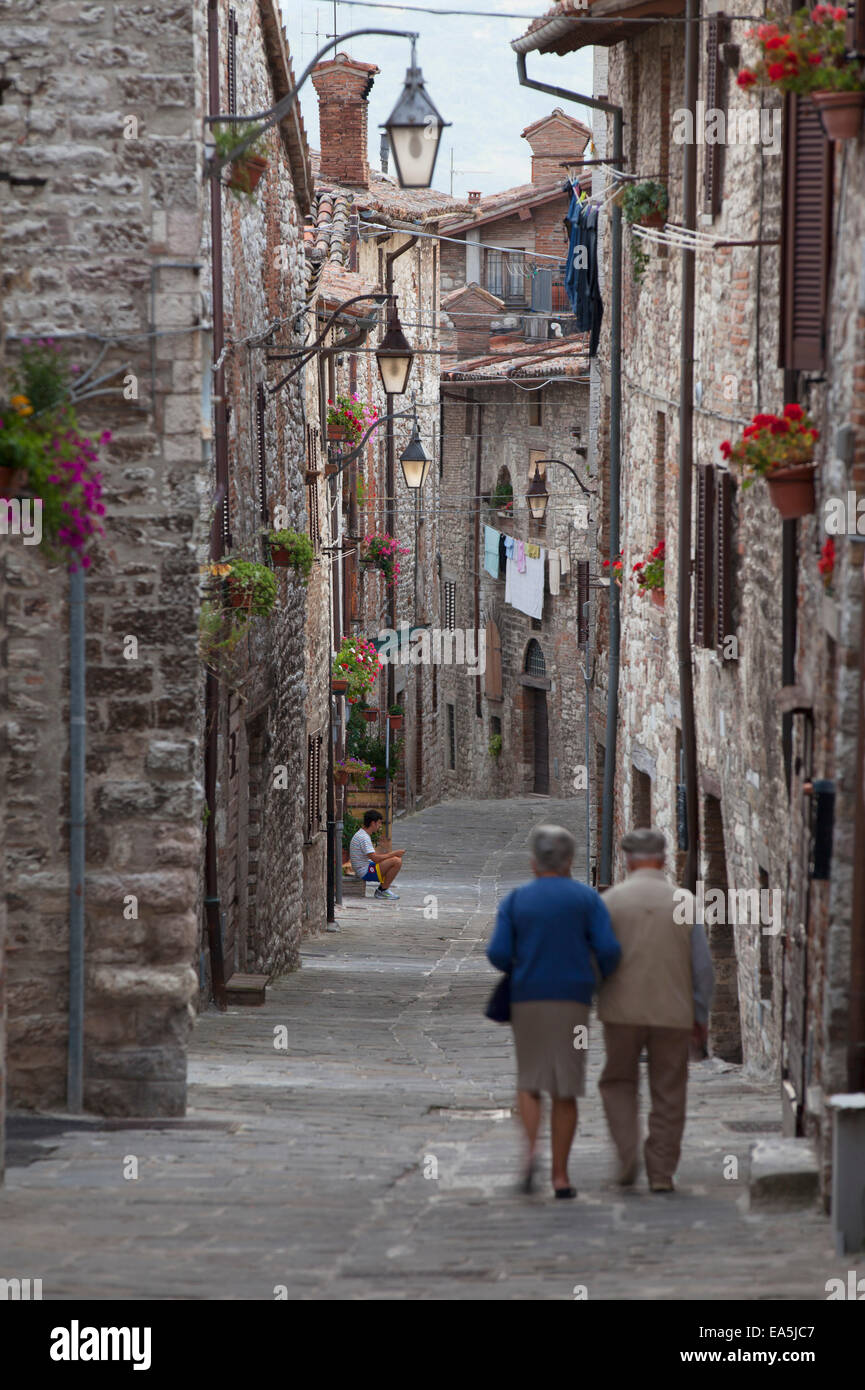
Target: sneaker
385, 893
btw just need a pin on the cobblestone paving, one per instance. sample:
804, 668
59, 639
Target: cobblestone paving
302, 1168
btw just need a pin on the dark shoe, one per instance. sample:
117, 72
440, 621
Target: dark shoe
526, 1184
565, 1192
626, 1177
661, 1187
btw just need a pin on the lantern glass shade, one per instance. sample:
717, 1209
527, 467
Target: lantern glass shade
415, 463
414, 129
394, 357
537, 497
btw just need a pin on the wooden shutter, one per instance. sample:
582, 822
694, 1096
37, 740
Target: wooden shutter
806, 237
260, 401
312, 449
724, 495
493, 673
715, 101
703, 626
313, 514
232, 62
582, 600
313, 785
854, 37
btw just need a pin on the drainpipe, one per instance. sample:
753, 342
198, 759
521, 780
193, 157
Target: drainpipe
477, 561
605, 868
686, 442
856, 1025
212, 904
77, 735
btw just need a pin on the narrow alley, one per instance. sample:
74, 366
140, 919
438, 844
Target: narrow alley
368, 1150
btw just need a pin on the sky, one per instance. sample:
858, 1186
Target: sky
470, 73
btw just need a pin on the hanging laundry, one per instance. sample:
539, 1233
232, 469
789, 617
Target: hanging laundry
525, 589
566, 560
581, 271
521, 556
532, 550
510, 546
491, 551
555, 571
503, 553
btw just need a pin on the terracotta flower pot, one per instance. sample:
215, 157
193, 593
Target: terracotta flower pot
246, 173
395, 721
370, 715
791, 490
337, 432
840, 113
653, 219
238, 597
338, 686
7, 481
658, 597
280, 556
341, 778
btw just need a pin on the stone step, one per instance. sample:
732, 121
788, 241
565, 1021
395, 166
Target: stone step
246, 989
783, 1172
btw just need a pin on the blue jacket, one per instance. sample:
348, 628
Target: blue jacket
546, 933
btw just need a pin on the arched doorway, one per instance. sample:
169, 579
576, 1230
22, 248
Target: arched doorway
535, 667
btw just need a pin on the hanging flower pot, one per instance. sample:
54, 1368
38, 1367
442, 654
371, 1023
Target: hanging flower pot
337, 432
840, 113
7, 481
791, 491
396, 717
339, 687
370, 715
657, 596
246, 173
340, 776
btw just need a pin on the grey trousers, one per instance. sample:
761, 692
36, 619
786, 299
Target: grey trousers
668, 1085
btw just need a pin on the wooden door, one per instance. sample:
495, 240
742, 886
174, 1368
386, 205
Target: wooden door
541, 744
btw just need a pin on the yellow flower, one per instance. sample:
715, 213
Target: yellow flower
22, 405
217, 570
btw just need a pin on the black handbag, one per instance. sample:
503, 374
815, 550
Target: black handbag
499, 1003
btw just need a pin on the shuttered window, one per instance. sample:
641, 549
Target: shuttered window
493, 672
716, 100
232, 62
312, 449
582, 601
806, 237
725, 492
854, 37
314, 516
704, 631
449, 604
314, 744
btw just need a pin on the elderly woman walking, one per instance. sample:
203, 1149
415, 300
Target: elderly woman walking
545, 936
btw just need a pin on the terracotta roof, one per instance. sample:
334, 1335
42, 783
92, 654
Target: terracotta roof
384, 195
569, 359
334, 285
475, 290
562, 30
510, 200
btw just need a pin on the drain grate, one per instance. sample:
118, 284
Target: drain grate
455, 1112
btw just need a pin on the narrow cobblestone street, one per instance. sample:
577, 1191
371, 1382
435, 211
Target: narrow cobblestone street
304, 1167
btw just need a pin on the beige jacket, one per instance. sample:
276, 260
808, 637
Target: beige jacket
653, 983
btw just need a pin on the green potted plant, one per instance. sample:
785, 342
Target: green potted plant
649, 575
292, 549
382, 552
245, 171
349, 418
351, 769
502, 499
357, 662
251, 586
395, 716
495, 745
645, 203
807, 55
779, 448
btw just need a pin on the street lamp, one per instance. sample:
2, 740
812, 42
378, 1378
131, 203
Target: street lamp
394, 356
414, 126
415, 462
414, 129
537, 495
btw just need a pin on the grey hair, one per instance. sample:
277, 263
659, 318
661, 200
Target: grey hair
644, 843
552, 847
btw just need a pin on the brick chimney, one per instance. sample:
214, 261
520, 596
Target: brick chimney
343, 86
474, 197
553, 140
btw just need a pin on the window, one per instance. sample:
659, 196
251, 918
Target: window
660, 507
716, 100
535, 409
766, 981
261, 460
806, 237
469, 420
582, 601
452, 737
713, 604
314, 515
534, 664
449, 604
495, 725
232, 62
641, 799
313, 784
493, 672
504, 275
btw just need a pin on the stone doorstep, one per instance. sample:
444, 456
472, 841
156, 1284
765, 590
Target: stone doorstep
783, 1171
246, 989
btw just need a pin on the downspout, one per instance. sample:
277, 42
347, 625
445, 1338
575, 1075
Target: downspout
212, 904
390, 485
477, 559
605, 870
856, 1025
77, 735
686, 445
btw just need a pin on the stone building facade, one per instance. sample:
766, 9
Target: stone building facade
775, 661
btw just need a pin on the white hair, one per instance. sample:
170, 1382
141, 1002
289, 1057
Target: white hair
552, 848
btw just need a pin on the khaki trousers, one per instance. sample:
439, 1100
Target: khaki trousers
668, 1084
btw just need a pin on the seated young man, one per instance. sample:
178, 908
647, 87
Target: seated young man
371, 865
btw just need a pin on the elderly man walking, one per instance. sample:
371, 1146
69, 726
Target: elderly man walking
658, 999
